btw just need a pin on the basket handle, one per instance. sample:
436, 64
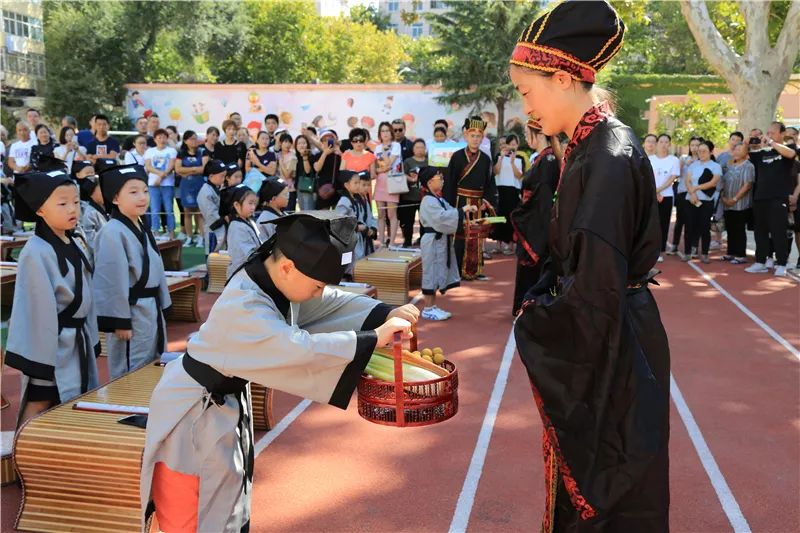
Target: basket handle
399, 394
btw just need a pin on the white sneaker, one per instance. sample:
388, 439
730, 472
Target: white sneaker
660, 258
780, 271
672, 249
757, 268
431, 313
770, 263
198, 241
180, 236
447, 314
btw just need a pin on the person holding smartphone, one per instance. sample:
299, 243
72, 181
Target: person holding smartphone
409, 202
509, 168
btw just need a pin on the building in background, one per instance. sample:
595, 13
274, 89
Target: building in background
408, 16
335, 8
22, 66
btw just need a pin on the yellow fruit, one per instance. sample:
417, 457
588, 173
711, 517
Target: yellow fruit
407, 352
427, 351
438, 358
438, 349
416, 354
428, 358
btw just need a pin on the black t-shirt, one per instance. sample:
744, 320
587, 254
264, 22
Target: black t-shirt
230, 153
38, 150
406, 148
266, 158
330, 168
774, 177
98, 147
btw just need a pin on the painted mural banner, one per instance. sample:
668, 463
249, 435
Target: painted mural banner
439, 154
339, 107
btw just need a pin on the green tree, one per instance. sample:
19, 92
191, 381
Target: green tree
369, 15
694, 117
471, 59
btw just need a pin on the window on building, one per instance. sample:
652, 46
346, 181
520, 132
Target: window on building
22, 25
417, 5
394, 6
416, 30
437, 4
24, 64
393, 27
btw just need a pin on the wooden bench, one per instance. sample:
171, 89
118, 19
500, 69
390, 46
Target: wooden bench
171, 253
393, 273
217, 271
8, 279
10, 243
7, 473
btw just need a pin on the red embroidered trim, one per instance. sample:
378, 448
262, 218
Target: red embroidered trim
594, 116
541, 59
546, 151
518, 235
578, 501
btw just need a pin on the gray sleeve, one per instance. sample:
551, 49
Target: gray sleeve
208, 207
338, 310
443, 220
111, 281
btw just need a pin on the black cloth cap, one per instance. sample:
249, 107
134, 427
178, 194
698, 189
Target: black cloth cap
79, 165
113, 179
364, 175
87, 187
105, 163
32, 189
578, 37
270, 188
232, 168
230, 196
215, 166
319, 242
45, 163
346, 175
426, 173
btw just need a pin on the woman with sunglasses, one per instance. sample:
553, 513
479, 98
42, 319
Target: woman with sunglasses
590, 334
389, 161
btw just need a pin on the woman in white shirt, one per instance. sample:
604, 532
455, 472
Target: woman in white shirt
136, 156
159, 161
389, 161
666, 169
509, 168
68, 149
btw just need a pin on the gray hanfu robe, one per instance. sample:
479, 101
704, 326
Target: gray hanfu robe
439, 266
263, 221
93, 218
208, 203
131, 293
316, 350
355, 207
52, 335
243, 237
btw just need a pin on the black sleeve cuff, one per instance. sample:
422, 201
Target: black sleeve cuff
40, 370
98, 350
109, 324
377, 316
365, 345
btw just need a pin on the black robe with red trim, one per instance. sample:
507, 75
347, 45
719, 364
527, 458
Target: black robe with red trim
593, 344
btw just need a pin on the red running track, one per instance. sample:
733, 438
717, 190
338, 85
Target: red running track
331, 471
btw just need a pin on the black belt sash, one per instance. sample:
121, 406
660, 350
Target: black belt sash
218, 386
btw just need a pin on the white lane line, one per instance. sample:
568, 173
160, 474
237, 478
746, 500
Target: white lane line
280, 427
724, 494
752, 316
467, 497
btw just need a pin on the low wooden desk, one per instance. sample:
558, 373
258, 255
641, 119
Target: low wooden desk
392, 273
171, 253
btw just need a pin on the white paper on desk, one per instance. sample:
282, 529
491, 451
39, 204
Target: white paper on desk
354, 284
111, 408
6, 238
176, 274
386, 260
401, 249
9, 264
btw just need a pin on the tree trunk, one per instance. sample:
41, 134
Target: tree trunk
757, 104
501, 117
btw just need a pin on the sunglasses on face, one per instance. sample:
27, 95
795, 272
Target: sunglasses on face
399, 130
358, 140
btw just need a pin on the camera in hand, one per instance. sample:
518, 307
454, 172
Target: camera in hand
755, 140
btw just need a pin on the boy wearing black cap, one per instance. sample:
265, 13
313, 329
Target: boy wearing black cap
93, 211
129, 281
52, 335
208, 202
81, 169
350, 205
274, 197
276, 323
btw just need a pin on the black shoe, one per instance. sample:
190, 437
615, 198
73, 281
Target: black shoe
482, 277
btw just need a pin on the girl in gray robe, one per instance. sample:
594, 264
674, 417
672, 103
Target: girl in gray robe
208, 203
438, 221
129, 282
199, 443
273, 198
244, 236
52, 336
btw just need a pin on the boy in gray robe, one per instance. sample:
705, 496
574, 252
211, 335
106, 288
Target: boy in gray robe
274, 198
350, 205
438, 221
93, 213
129, 283
276, 323
52, 336
208, 203
244, 236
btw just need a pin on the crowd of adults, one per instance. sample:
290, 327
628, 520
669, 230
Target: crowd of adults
752, 185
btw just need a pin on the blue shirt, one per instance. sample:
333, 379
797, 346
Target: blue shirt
102, 147
696, 170
85, 137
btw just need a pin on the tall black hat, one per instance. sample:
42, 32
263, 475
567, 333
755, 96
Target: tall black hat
578, 37
46, 163
319, 242
32, 189
270, 188
113, 179
79, 165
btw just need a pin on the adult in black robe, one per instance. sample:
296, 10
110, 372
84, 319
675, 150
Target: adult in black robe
590, 334
469, 181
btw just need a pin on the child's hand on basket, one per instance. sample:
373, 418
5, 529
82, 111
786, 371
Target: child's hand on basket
393, 325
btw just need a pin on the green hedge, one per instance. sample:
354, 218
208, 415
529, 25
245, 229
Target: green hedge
633, 90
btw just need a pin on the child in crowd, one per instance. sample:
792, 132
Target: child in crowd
129, 283
233, 175
93, 211
366, 211
208, 202
438, 221
275, 323
274, 197
350, 205
243, 235
52, 335
82, 169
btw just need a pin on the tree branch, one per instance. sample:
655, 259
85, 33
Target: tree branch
709, 40
788, 45
756, 17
